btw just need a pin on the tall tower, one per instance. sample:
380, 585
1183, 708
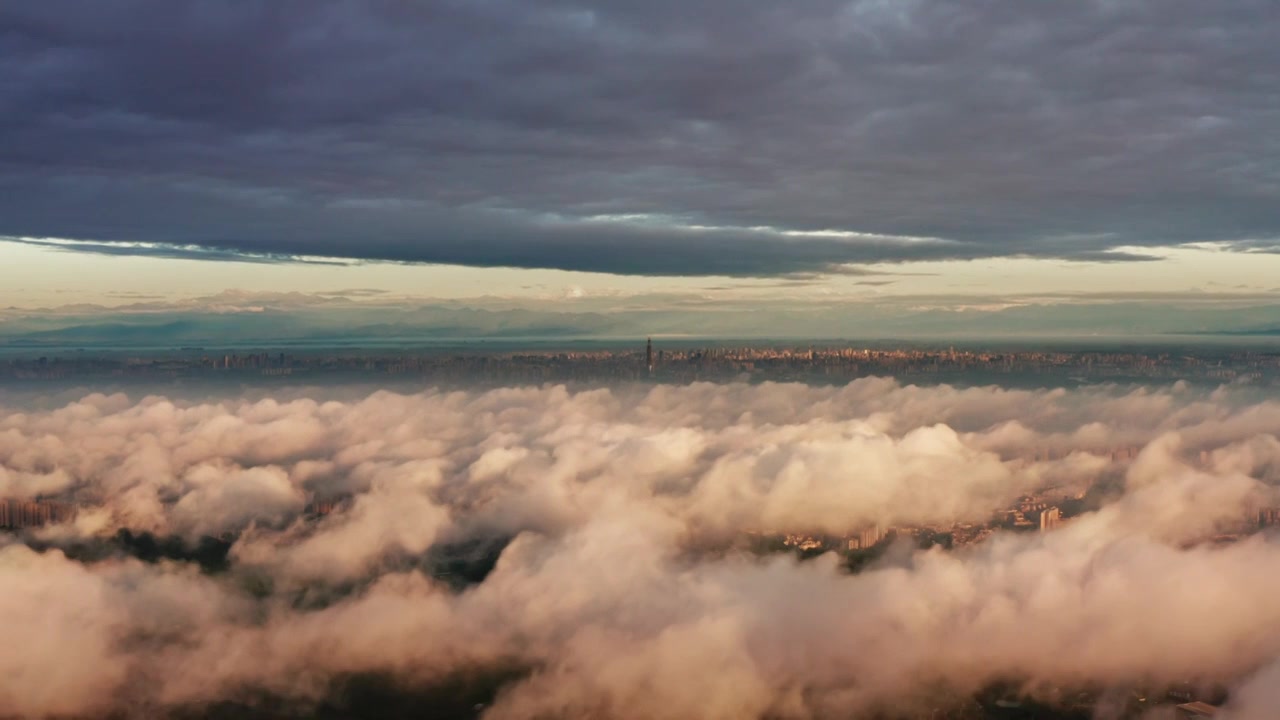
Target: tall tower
648, 355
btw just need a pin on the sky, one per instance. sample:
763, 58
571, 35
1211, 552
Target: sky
985, 154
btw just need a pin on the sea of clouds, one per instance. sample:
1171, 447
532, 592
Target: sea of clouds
622, 589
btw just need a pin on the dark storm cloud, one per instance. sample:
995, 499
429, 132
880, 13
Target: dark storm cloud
648, 137
170, 250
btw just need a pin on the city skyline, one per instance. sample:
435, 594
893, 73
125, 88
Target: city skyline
607, 363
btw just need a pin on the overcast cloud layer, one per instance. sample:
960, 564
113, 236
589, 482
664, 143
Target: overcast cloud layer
620, 594
722, 137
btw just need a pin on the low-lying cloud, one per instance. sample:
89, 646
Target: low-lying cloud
617, 582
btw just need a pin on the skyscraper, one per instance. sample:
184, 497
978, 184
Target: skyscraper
1049, 519
648, 354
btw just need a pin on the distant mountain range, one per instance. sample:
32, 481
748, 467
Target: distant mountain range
341, 322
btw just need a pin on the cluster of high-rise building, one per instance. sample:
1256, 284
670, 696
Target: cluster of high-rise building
1269, 517
321, 506
20, 514
672, 364
863, 539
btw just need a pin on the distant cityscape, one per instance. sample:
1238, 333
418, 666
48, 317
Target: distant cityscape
677, 364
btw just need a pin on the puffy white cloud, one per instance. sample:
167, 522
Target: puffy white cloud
57, 619
621, 593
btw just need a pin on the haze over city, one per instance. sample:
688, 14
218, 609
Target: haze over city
728, 359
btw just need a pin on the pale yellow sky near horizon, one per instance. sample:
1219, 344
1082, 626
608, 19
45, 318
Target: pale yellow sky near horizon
40, 276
